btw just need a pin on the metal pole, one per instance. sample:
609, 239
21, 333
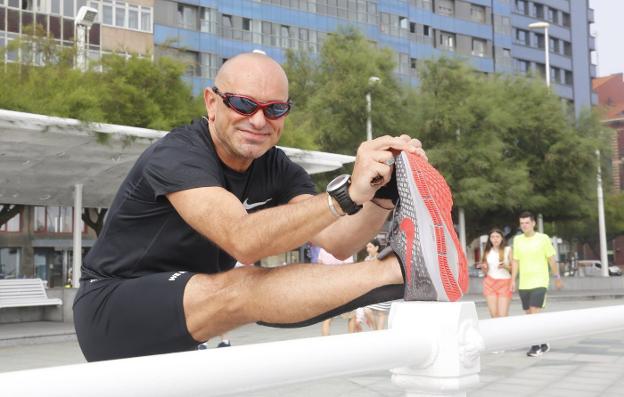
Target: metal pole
369, 124
462, 229
547, 56
77, 257
81, 56
602, 229
540, 223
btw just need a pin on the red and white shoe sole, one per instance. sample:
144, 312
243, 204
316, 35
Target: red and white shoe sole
437, 199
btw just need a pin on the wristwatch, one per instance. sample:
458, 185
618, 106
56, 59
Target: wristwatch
338, 188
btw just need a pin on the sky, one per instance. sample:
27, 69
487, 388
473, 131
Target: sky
609, 31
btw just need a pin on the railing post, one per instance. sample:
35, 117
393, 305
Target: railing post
454, 366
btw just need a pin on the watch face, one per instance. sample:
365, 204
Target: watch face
338, 182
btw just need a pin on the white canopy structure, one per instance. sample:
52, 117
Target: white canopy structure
43, 158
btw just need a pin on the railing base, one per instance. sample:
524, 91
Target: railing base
454, 365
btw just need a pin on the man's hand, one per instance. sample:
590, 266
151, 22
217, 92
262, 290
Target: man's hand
374, 161
558, 283
513, 286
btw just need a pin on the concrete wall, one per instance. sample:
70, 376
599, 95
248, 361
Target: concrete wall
570, 284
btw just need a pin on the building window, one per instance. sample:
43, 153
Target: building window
133, 17
447, 41
521, 7
565, 19
426, 30
54, 220
506, 52
567, 48
413, 66
521, 36
208, 20
284, 35
477, 13
445, 7
13, 224
521, 66
146, 19
120, 14
567, 78
539, 10
10, 263
107, 12
247, 24
412, 27
553, 45
478, 47
551, 15
540, 42
187, 16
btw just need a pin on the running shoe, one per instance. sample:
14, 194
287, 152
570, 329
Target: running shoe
422, 234
545, 347
535, 351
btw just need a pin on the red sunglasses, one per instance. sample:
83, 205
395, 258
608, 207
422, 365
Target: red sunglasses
248, 106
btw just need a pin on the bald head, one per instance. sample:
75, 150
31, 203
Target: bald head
253, 71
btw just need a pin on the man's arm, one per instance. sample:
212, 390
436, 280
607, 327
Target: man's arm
554, 270
349, 233
218, 215
514, 273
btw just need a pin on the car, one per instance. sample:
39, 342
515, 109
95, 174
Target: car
593, 268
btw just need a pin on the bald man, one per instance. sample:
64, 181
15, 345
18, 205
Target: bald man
161, 276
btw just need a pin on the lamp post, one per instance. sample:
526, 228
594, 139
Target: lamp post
602, 229
84, 19
545, 26
369, 125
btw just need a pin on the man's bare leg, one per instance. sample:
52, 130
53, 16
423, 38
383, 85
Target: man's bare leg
217, 303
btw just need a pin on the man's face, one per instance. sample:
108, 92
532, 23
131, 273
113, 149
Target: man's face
240, 139
527, 225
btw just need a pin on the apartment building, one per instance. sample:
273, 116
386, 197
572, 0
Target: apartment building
493, 35
120, 26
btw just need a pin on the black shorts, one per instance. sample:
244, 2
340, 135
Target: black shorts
535, 297
120, 318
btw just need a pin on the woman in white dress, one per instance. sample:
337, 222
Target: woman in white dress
496, 264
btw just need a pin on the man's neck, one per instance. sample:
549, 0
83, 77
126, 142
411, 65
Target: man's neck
530, 233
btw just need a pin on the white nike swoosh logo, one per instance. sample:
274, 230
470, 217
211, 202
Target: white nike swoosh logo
249, 206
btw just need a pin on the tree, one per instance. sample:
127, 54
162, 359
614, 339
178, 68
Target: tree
8, 211
133, 91
329, 92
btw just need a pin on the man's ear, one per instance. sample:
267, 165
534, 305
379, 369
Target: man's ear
210, 101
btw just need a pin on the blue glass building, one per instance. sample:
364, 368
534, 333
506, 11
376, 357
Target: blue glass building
493, 35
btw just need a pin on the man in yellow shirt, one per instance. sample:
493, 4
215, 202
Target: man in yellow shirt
532, 253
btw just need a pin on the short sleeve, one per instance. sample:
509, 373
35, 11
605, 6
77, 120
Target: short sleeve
175, 165
548, 247
294, 180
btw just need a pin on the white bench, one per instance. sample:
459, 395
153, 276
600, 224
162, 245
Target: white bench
25, 292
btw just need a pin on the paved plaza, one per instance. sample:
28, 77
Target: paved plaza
588, 366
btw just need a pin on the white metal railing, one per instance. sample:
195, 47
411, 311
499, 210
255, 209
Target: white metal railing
431, 348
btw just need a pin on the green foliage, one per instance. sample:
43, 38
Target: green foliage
329, 92
135, 91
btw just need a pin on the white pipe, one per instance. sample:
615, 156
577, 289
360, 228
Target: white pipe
517, 331
233, 370
77, 234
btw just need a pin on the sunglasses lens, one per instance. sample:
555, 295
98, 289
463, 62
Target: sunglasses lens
243, 105
277, 110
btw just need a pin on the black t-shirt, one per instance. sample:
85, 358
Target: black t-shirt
144, 234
